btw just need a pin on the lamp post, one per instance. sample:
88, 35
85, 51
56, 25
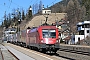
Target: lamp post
46, 19
30, 12
4, 34
84, 34
19, 21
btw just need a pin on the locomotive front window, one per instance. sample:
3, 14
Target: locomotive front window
49, 33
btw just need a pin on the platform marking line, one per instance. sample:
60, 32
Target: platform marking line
40, 55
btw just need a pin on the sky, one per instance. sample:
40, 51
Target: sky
9, 5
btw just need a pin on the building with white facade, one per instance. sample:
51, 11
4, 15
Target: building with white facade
46, 11
83, 29
8, 33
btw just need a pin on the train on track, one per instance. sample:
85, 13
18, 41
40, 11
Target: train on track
42, 38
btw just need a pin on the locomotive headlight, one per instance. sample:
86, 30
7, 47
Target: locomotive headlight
42, 41
57, 41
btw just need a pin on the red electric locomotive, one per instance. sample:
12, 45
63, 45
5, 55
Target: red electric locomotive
44, 38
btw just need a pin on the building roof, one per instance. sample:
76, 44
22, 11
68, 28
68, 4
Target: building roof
66, 30
84, 22
46, 9
13, 29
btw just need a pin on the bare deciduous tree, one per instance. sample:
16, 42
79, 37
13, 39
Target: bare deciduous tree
74, 13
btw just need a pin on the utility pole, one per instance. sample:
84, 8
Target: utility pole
30, 12
19, 21
84, 34
46, 19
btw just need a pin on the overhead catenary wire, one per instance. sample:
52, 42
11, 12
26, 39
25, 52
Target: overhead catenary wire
8, 7
11, 2
36, 1
4, 4
52, 3
14, 3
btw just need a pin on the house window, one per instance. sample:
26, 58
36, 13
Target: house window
79, 40
83, 26
45, 11
74, 39
81, 32
87, 31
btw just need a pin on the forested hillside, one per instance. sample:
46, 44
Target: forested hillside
77, 10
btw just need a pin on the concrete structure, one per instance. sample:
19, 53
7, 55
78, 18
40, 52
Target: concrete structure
83, 29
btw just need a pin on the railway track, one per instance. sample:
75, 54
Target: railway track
5, 54
74, 52
72, 55
1, 55
14, 55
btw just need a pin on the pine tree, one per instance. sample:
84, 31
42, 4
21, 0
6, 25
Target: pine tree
36, 8
18, 15
23, 15
9, 19
40, 5
5, 20
29, 12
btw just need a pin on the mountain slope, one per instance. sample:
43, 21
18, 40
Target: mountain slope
40, 19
